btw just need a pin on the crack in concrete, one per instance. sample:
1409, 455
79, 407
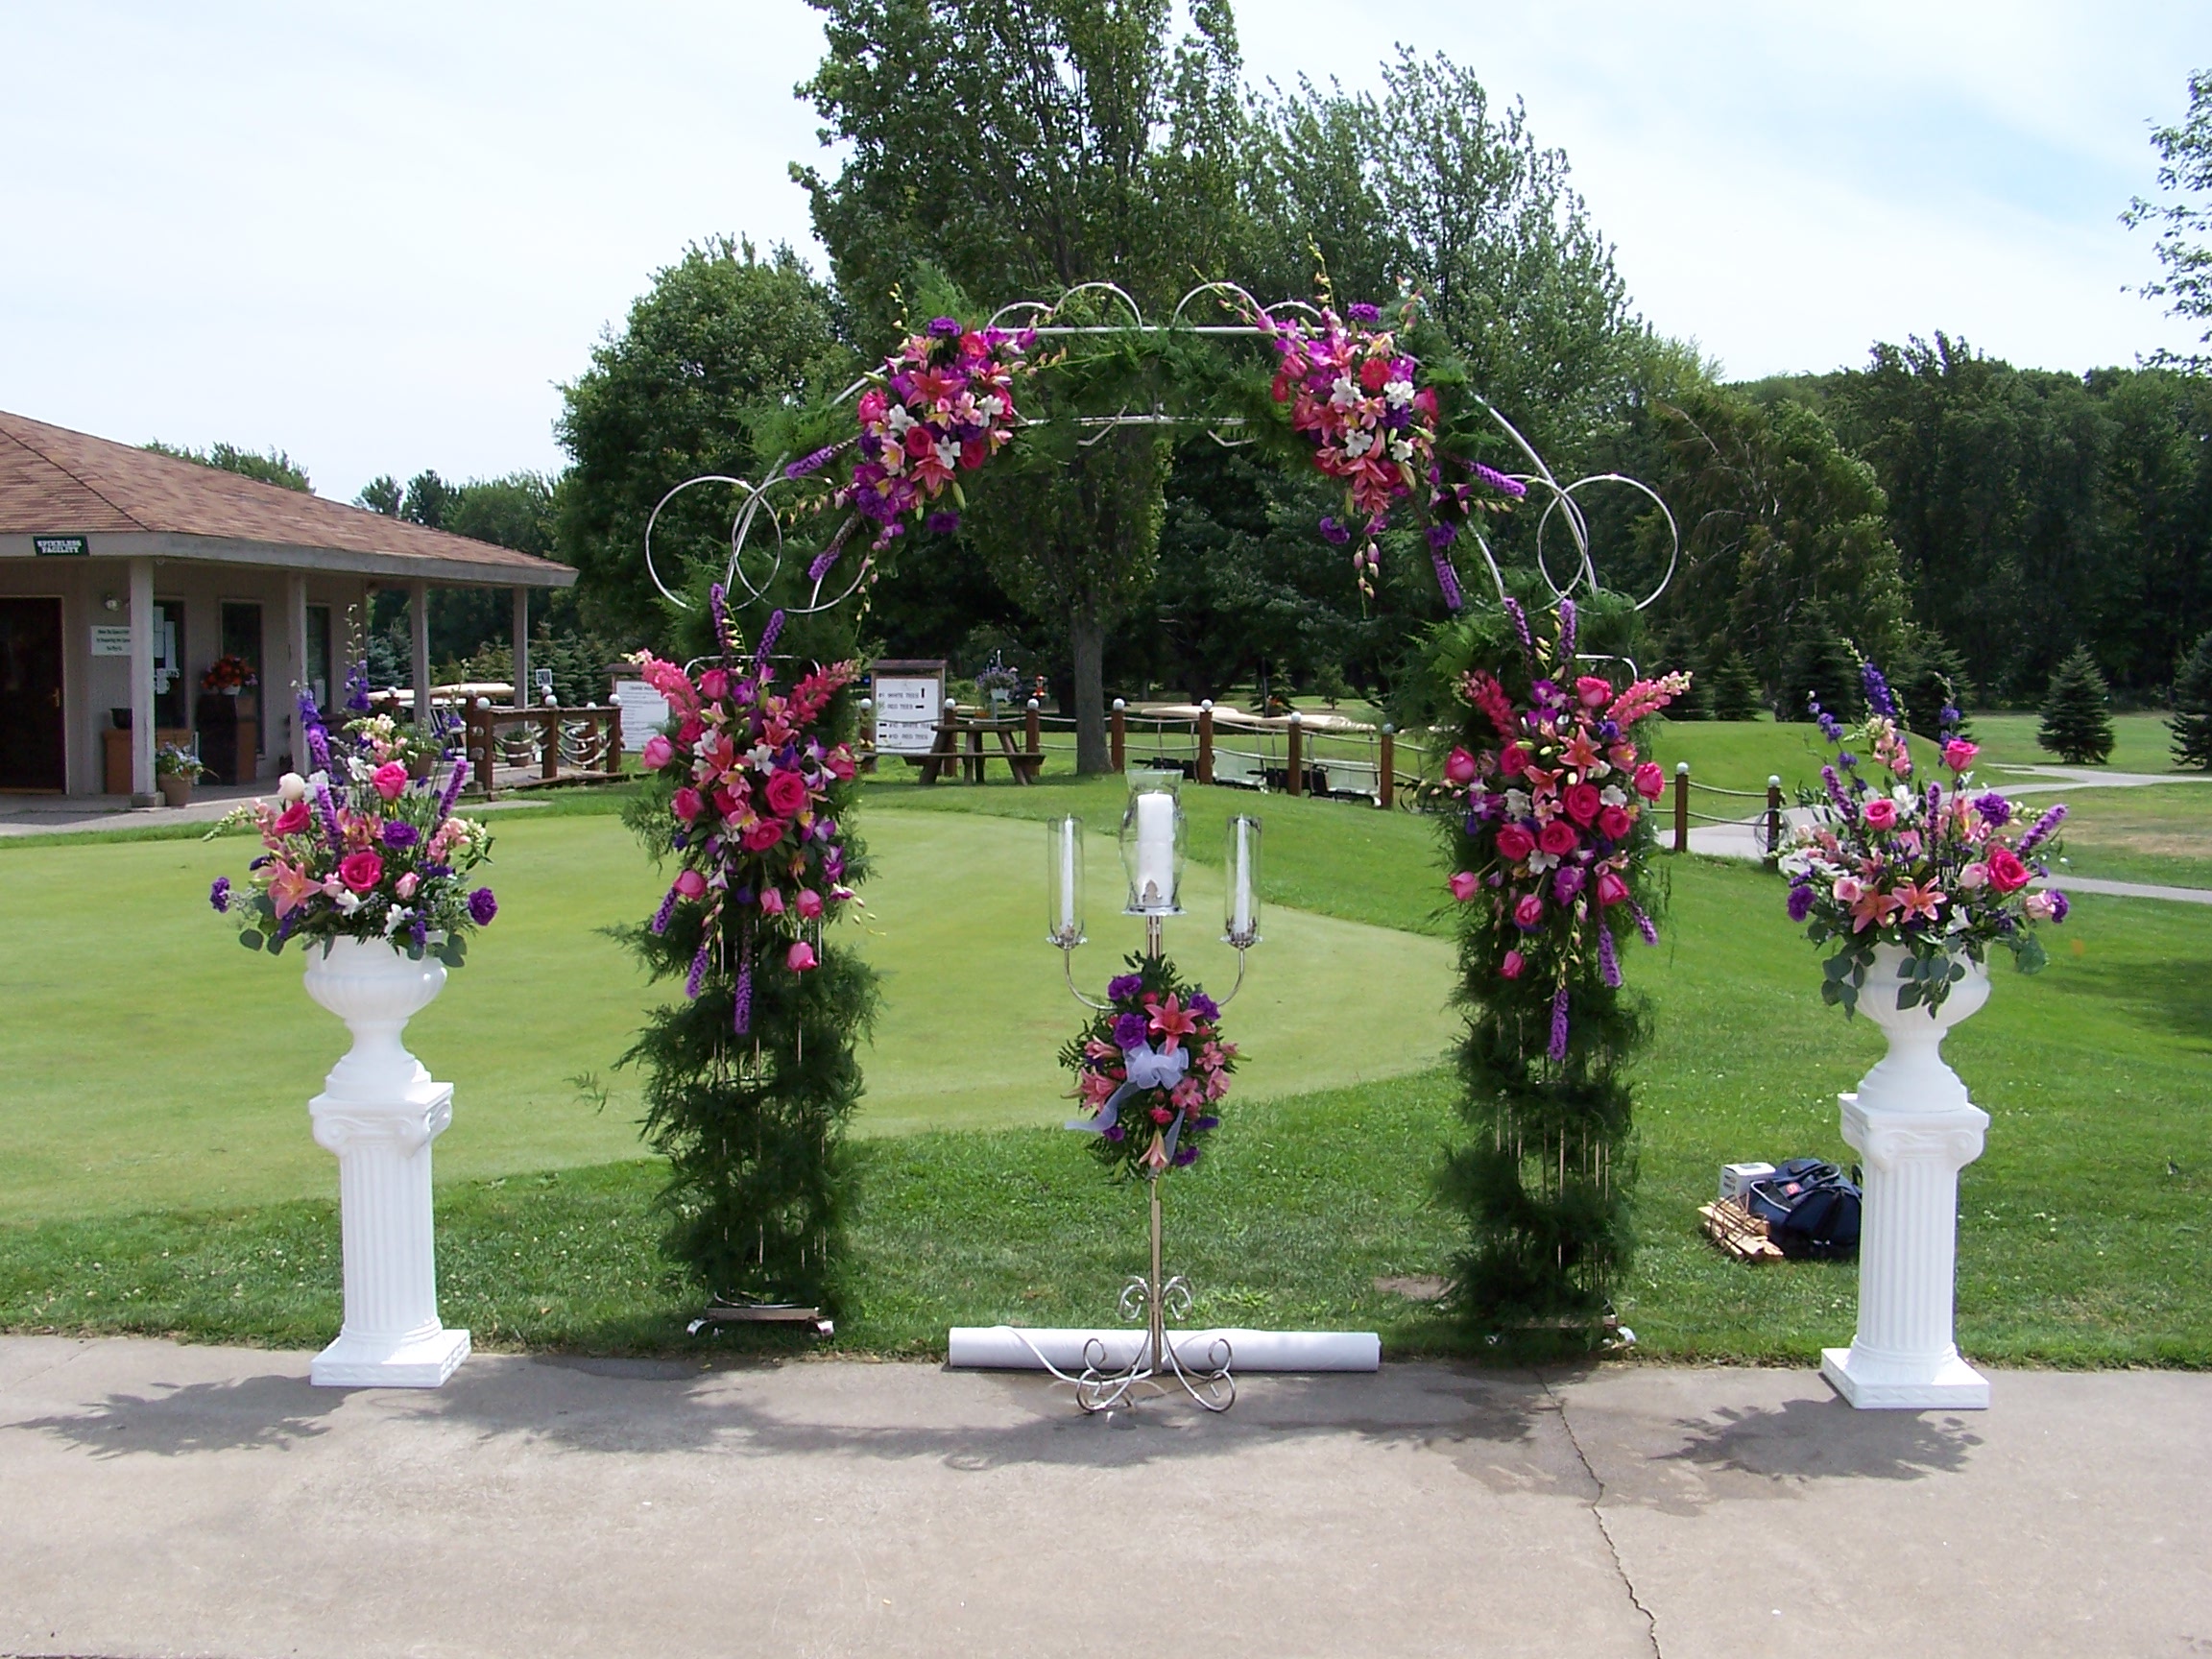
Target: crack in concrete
1598, 1514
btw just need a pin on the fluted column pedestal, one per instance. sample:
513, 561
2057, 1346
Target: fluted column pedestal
380, 1111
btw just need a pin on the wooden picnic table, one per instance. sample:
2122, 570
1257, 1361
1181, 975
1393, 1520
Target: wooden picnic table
947, 755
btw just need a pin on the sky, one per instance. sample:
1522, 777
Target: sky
380, 237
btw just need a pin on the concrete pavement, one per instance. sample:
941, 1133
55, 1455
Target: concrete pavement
165, 1499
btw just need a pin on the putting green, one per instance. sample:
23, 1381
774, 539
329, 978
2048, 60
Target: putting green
152, 1064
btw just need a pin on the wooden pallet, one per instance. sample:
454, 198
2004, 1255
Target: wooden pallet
1738, 1232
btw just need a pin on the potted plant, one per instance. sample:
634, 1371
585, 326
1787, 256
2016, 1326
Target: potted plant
367, 868
175, 770
229, 675
1907, 885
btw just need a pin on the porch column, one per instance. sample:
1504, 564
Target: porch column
419, 623
296, 648
142, 683
522, 698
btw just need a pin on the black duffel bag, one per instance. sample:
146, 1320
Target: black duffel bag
1811, 1209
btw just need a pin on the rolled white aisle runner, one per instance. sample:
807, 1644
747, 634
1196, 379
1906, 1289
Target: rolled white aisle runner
1004, 1348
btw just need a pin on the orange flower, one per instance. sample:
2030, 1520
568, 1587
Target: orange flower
1874, 908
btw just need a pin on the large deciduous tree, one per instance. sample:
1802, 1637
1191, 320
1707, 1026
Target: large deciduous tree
2183, 218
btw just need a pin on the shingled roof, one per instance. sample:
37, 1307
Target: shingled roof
132, 502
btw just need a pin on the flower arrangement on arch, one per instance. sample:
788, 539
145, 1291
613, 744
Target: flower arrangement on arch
1150, 1069
229, 674
360, 849
756, 800
1556, 807
1937, 869
1359, 398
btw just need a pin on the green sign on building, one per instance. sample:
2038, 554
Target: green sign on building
59, 547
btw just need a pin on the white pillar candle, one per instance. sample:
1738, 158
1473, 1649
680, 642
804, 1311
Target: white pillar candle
1069, 829
1244, 913
1155, 849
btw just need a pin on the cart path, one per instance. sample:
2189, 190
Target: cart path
165, 1498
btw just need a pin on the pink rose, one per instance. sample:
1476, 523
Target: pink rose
771, 901
1558, 838
787, 794
692, 884
763, 835
1974, 878
1459, 767
1514, 761
687, 805
406, 884
1611, 889
809, 904
1592, 692
1959, 754
293, 819
1848, 889
362, 871
838, 763
658, 753
1514, 842
1582, 801
691, 731
1650, 781
2006, 874
800, 957
1881, 813
389, 779
1513, 965
1465, 884
873, 406
714, 685
1529, 912
1615, 823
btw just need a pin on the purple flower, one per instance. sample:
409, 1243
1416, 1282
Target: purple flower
1545, 691
945, 328
2044, 825
1442, 536
1520, 626
1608, 963
329, 811
1566, 882
941, 522
693, 979
1878, 696
769, 634
1333, 533
1559, 1047
2058, 905
1446, 578
1643, 923
1499, 482
1123, 986
452, 791
1185, 1155
1129, 1031
741, 1004
357, 688
718, 608
665, 914
1948, 719
1800, 902
813, 463
400, 834
820, 568
1117, 1134
1566, 632
482, 906
1835, 794
1204, 1006
219, 895
1359, 311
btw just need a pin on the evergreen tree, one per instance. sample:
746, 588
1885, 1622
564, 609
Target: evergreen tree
2191, 721
1735, 692
2077, 713
1930, 678
1821, 666
1679, 651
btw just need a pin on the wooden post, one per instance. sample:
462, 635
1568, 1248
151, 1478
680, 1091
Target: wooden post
1386, 795
521, 665
1297, 750
1774, 822
944, 748
1120, 728
487, 735
612, 761
1033, 731
549, 761
1205, 741
1682, 807
418, 627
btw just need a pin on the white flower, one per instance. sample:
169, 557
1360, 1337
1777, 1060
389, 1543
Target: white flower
1357, 444
1541, 862
396, 921
760, 757
291, 788
1399, 393
1798, 863
1612, 794
898, 420
992, 404
947, 452
1517, 803
1345, 393
347, 900
1400, 450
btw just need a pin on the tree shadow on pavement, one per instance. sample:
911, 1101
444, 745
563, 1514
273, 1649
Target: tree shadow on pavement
255, 1413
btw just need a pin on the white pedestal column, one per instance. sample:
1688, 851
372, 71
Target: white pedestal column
379, 1110
1916, 1129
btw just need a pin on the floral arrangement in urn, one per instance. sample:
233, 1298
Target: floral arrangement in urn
1939, 869
755, 797
360, 849
229, 674
1150, 1067
1555, 811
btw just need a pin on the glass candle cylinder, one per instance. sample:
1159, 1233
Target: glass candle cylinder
1240, 904
1064, 881
1152, 843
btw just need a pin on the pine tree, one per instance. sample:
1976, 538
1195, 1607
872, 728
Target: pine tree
1822, 666
1931, 678
2077, 713
2191, 721
1735, 689
1679, 651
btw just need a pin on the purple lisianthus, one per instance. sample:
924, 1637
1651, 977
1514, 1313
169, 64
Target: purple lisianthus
1334, 534
1117, 1134
1122, 986
1185, 1155
1800, 902
945, 328
1567, 882
1129, 1031
400, 834
2058, 905
942, 523
1359, 311
1204, 1006
482, 906
219, 895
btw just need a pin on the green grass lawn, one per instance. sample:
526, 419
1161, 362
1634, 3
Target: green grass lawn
2141, 742
2082, 1231
2161, 833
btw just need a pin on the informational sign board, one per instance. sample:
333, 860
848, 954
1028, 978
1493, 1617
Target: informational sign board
643, 711
111, 641
909, 701
59, 547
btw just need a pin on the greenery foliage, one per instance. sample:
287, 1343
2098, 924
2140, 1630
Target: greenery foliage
2184, 218
2077, 713
2191, 721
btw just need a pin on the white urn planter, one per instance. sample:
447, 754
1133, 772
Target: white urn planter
1915, 1127
379, 1110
